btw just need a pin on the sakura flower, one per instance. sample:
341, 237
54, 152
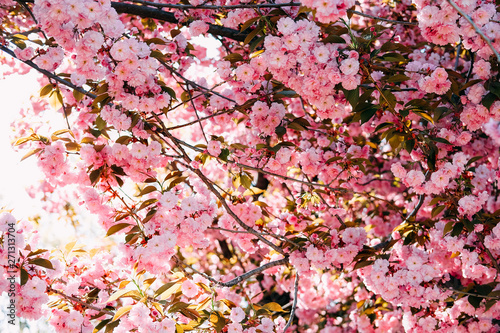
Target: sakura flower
237, 315
197, 28
244, 72
214, 148
189, 289
349, 66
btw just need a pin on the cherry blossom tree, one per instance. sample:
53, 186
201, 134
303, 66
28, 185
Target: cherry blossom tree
333, 168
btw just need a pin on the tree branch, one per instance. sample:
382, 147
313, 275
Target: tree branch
414, 212
79, 301
249, 167
47, 73
212, 189
158, 14
258, 6
239, 278
294, 305
478, 30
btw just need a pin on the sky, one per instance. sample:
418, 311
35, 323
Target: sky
15, 176
15, 91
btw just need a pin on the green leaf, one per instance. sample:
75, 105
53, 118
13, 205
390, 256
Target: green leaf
470, 83
273, 306
424, 116
149, 215
95, 175
333, 159
176, 181
382, 126
389, 98
367, 114
475, 301
409, 145
218, 321
436, 210
147, 189
448, 227
248, 23
246, 181
390, 46
176, 307
224, 154
393, 57
121, 312
157, 41
488, 100
495, 88
46, 90
148, 203
253, 34
485, 289
24, 276
333, 39
101, 325
441, 140
396, 78
41, 262
296, 126
234, 57
117, 227
363, 263
457, 229
352, 96
474, 159
468, 225
100, 123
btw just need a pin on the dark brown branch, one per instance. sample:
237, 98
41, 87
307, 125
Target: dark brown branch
215, 7
258, 6
158, 14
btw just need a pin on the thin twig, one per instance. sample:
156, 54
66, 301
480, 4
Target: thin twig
194, 84
249, 167
294, 305
77, 300
47, 73
195, 112
414, 212
457, 56
239, 278
340, 220
212, 189
200, 119
283, 238
471, 294
478, 30
492, 258
381, 18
